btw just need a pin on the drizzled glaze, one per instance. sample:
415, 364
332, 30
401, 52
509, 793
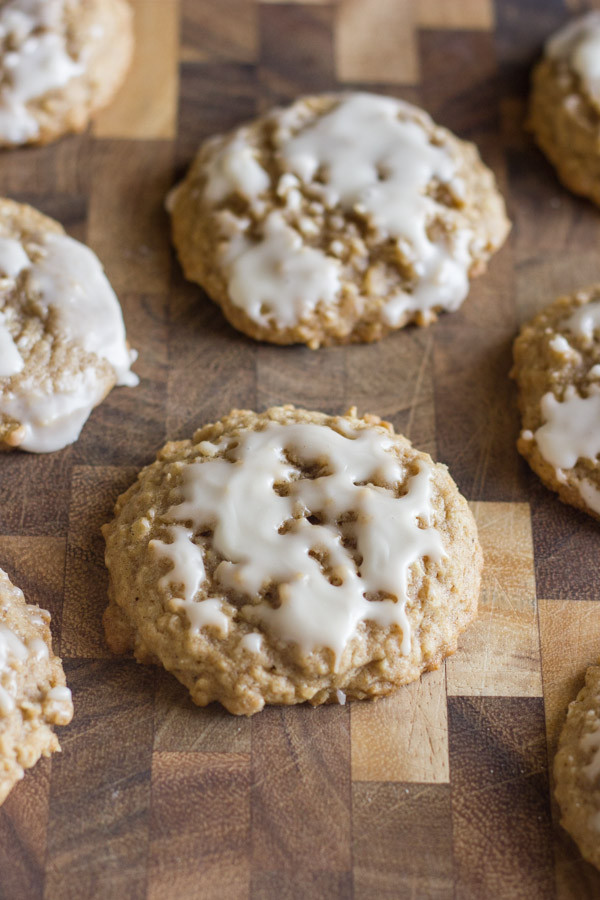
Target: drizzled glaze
69, 283
258, 512
579, 44
35, 60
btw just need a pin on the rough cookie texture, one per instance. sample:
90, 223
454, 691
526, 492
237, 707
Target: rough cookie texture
33, 692
564, 112
577, 769
62, 338
60, 61
291, 556
557, 369
336, 220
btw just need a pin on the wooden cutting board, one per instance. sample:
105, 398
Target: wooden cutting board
443, 790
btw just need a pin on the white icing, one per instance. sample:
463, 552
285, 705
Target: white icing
34, 60
579, 44
380, 166
70, 284
237, 501
13, 258
60, 693
252, 642
38, 649
585, 320
187, 572
235, 169
571, 428
70, 279
590, 494
12, 651
561, 346
341, 697
51, 421
11, 361
280, 277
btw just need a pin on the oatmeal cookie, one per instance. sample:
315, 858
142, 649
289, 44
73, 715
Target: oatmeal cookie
564, 113
62, 338
60, 61
338, 219
291, 556
577, 769
557, 369
33, 692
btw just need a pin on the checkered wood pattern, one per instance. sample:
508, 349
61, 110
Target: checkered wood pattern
441, 791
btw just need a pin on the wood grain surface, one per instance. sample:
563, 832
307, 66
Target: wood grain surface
443, 790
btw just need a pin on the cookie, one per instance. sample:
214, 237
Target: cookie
564, 113
291, 556
557, 369
60, 61
62, 338
577, 769
33, 692
336, 220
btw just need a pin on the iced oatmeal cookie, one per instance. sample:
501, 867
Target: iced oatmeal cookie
33, 692
62, 338
291, 556
557, 369
564, 113
60, 61
577, 769
338, 219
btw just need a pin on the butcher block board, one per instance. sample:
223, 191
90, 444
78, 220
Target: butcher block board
443, 790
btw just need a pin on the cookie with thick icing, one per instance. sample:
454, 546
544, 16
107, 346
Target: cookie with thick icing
557, 369
564, 111
338, 219
291, 556
33, 691
62, 338
60, 61
577, 769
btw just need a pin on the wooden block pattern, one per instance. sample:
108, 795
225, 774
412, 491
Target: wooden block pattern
23, 827
301, 790
179, 727
100, 790
203, 856
442, 790
94, 493
407, 853
376, 42
127, 220
500, 655
146, 106
500, 804
212, 32
404, 737
456, 14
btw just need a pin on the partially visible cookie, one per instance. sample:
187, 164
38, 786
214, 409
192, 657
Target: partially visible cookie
33, 691
564, 112
577, 769
62, 338
60, 61
557, 369
338, 219
291, 556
